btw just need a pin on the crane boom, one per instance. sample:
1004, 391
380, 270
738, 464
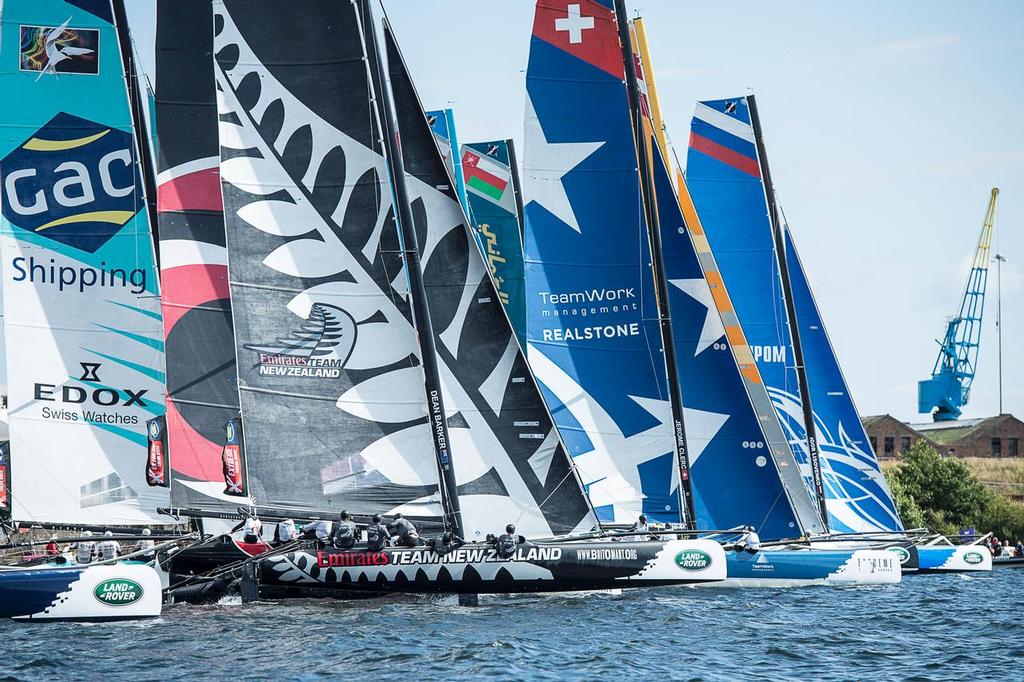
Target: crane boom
949, 387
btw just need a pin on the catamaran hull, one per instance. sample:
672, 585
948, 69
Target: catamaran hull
957, 559
476, 569
792, 568
121, 591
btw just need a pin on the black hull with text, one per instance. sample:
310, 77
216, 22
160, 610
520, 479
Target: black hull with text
477, 569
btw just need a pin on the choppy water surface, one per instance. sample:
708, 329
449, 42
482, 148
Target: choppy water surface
929, 627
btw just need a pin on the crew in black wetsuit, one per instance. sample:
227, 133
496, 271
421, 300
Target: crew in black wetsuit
406, 532
377, 535
446, 543
507, 542
343, 534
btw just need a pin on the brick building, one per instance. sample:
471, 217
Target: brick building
890, 437
1001, 436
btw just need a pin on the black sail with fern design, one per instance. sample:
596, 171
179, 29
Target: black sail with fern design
504, 445
330, 385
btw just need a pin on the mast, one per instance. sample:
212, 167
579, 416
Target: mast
418, 296
794, 330
661, 288
513, 166
138, 125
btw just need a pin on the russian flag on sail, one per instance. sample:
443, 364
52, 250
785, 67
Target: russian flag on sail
721, 129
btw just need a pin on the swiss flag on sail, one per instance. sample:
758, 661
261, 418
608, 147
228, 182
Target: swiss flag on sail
586, 29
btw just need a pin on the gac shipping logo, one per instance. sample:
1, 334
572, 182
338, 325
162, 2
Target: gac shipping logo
118, 592
73, 181
693, 560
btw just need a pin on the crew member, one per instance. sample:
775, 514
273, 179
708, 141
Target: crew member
108, 548
146, 545
52, 549
84, 549
753, 541
318, 529
253, 530
641, 526
446, 543
406, 532
286, 531
377, 535
343, 535
507, 542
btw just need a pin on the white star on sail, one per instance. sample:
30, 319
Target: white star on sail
547, 164
698, 290
700, 426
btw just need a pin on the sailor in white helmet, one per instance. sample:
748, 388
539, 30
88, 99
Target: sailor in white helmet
146, 544
108, 548
253, 531
84, 549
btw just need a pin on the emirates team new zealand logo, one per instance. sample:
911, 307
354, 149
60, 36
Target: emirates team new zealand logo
318, 349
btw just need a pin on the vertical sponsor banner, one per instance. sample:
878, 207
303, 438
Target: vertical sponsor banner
234, 459
5, 477
491, 201
156, 463
82, 311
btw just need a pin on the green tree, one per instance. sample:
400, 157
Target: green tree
943, 488
912, 515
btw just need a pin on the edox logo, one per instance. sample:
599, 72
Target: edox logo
73, 181
89, 370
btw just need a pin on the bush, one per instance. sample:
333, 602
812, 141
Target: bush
942, 494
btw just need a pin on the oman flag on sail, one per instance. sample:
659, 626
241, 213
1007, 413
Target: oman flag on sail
483, 175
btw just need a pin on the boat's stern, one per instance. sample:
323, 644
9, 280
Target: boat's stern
689, 561
954, 559
120, 591
868, 567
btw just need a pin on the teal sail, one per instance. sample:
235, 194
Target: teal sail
492, 195
442, 125
83, 324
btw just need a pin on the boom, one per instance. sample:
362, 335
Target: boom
949, 387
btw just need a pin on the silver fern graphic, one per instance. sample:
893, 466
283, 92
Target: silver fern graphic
328, 333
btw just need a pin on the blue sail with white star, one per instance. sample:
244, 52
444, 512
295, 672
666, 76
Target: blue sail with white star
734, 475
82, 308
592, 332
856, 494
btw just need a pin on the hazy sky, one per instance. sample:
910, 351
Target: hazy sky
886, 124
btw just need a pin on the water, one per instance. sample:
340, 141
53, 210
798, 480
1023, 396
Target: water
928, 628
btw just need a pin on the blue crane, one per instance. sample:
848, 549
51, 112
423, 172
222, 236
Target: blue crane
949, 387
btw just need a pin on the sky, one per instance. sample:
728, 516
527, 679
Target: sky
886, 124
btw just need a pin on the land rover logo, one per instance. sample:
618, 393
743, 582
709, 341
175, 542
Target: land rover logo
154, 430
973, 558
118, 592
902, 553
229, 431
693, 560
